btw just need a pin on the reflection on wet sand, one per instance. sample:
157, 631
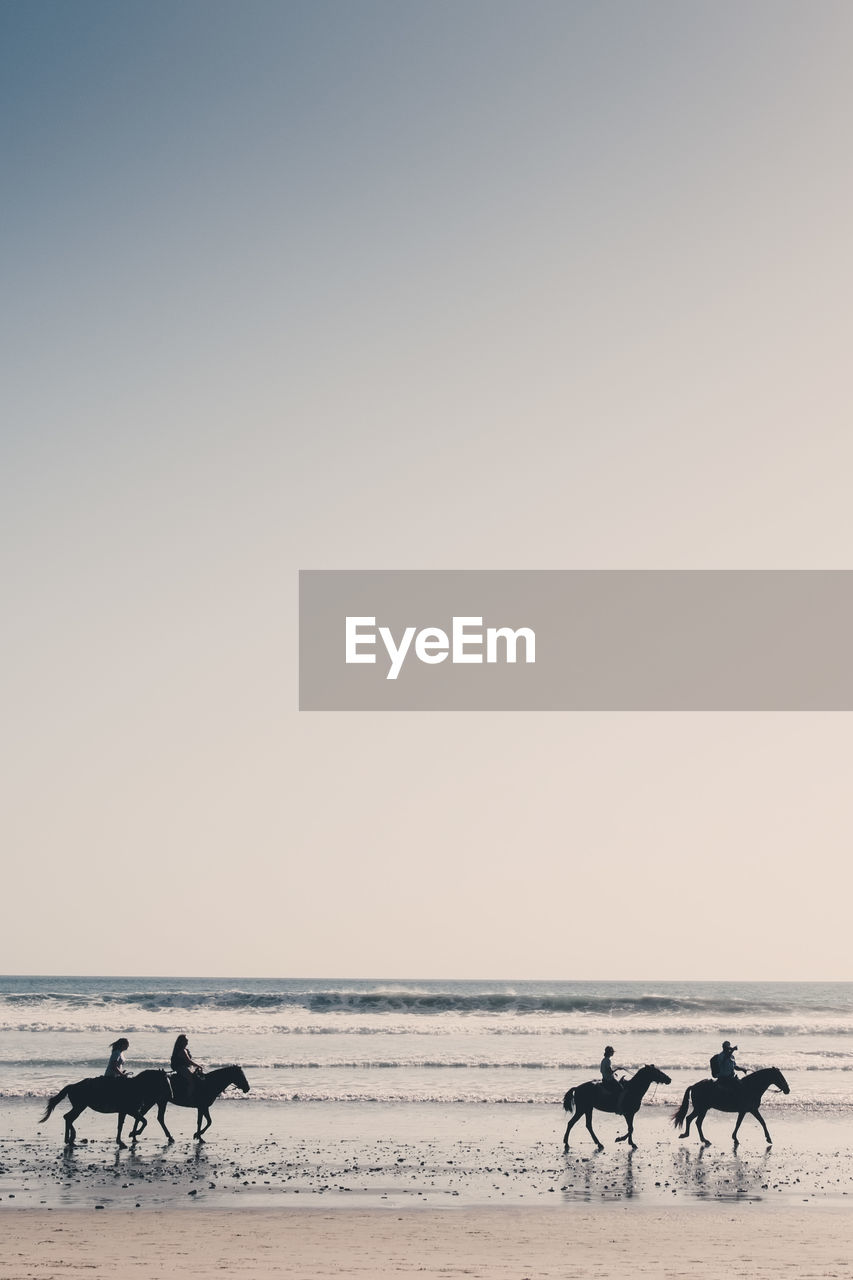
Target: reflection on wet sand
429, 1166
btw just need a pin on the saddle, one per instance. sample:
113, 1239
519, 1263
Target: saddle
616, 1094
184, 1091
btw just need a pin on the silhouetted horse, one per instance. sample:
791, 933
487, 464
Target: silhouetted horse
206, 1089
743, 1097
593, 1095
131, 1096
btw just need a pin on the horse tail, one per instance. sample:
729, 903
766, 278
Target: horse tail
569, 1101
55, 1100
681, 1114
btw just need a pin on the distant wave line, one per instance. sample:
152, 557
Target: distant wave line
592, 1029
420, 1002
664, 1101
95, 1065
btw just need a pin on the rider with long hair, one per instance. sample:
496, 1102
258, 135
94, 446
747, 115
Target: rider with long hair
115, 1067
184, 1066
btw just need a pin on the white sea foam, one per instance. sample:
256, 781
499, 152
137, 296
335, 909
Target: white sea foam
427, 1042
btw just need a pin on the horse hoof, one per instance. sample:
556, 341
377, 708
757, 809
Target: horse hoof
684, 1135
123, 1146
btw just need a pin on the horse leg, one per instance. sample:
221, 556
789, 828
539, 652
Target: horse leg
629, 1136
592, 1134
687, 1124
207, 1125
121, 1116
139, 1123
569, 1128
740, 1116
161, 1112
760, 1118
70, 1131
199, 1117
699, 1119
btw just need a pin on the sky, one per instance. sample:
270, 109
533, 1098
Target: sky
410, 285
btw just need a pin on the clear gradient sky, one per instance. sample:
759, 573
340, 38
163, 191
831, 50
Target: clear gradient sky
410, 285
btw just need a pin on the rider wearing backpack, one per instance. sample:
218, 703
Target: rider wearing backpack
723, 1066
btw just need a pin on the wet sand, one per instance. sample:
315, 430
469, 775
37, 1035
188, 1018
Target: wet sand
264, 1156
317, 1191
510, 1241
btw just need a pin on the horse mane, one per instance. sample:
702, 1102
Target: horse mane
641, 1071
639, 1079
760, 1073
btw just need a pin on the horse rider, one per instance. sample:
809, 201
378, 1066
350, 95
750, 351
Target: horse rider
115, 1067
726, 1066
184, 1066
608, 1079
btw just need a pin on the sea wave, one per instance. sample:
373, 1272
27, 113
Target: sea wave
208, 1025
94, 1065
665, 1101
415, 1001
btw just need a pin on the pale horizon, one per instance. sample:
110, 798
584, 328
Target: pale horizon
380, 286
400, 981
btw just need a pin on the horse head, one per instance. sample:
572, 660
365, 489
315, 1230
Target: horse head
238, 1078
779, 1080
637, 1086
649, 1074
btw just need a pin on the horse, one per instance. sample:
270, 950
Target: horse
743, 1097
129, 1096
584, 1097
206, 1088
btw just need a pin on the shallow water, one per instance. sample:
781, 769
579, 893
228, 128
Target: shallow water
450, 1042
389, 1092
415, 1153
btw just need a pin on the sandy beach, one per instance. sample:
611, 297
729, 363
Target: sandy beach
334, 1198
399, 1131
698, 1241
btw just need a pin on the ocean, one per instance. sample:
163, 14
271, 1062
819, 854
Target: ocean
397, 1092
427, 1042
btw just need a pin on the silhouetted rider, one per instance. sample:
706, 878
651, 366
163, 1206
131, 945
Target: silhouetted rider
185, 1068
608, 1077
115, 1067
726, 1067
